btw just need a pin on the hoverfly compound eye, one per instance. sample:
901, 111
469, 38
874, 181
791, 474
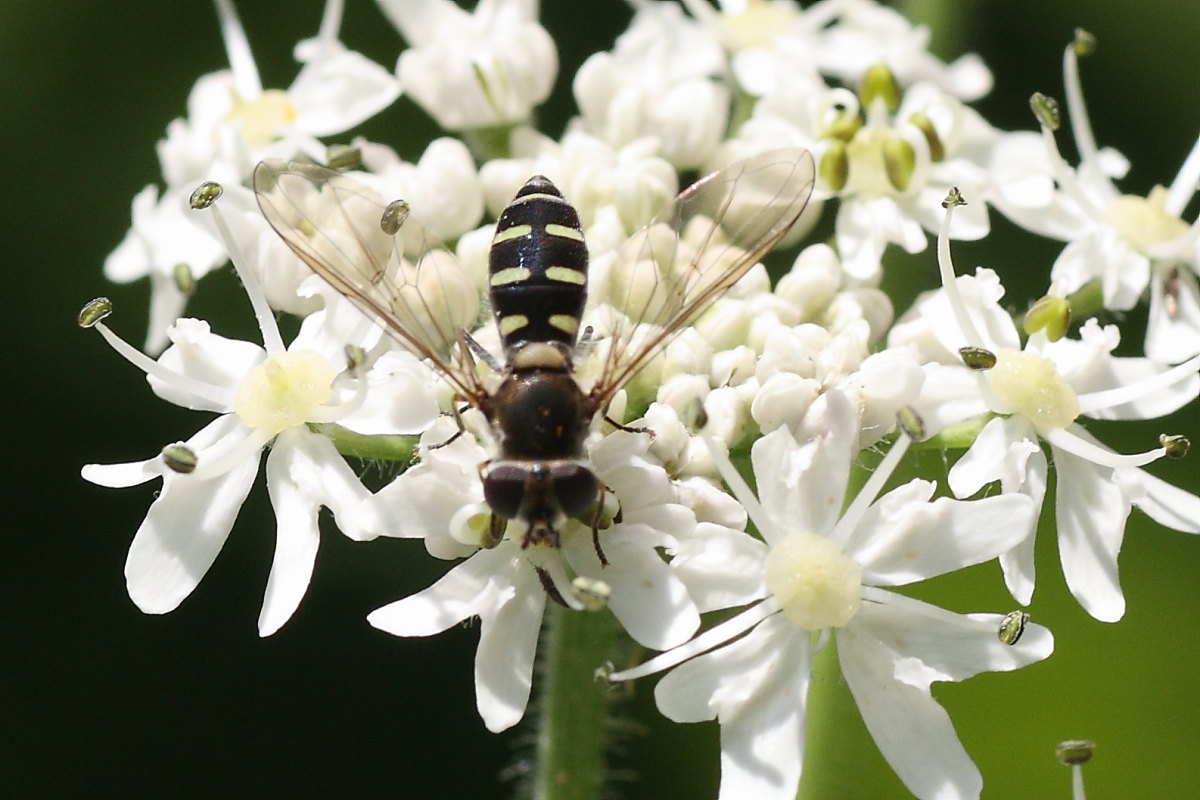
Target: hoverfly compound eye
504, 489
575, 488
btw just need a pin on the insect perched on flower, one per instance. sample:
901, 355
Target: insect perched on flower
388, 266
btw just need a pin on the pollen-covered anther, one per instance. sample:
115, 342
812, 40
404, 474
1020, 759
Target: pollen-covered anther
1045, 108
977, 358
1029, 384
815, 584
284, 390
910, 423
899, 162
205, 195
592, 592
1084, 43
343, 157
1175, 445
879, 83
180, 458
834, 168
954, 199
95, 311
1051, 315
1074, 751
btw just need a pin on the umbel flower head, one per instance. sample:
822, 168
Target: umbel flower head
799, 374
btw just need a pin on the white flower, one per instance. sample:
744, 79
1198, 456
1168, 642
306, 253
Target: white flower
657, 82
474, 70
820, 570
232, 124
265, 396
1035, 394
440, 500
1124, 242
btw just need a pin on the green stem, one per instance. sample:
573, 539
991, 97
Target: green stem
572, 705
380, 448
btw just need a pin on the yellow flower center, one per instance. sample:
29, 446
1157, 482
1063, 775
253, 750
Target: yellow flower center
284, 390
1145, 221
1029, 385
262, 119
815, 584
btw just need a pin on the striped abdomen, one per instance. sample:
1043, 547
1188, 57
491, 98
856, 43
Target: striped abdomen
537, 268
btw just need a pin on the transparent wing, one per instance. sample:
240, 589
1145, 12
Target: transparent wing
383, 262
694, 250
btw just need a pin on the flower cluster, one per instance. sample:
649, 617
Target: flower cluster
802, 374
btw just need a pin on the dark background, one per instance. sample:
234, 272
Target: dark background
97, 696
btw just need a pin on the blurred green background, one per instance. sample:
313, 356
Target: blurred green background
99, 697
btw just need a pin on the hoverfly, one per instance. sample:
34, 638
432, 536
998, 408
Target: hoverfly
390, 268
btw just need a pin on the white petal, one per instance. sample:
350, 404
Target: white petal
338, 89
304, 472
904, 538
800, 486
1018, 563
722, 567
472, 588
120, 476
1173, 328
507, 645
182, 534
1166, 504
1090, 513
756, 687
1000, 452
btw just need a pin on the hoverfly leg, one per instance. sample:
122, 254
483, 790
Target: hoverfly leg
596, 517
627, 428
457, 414
497, 526
549, 587
476, 351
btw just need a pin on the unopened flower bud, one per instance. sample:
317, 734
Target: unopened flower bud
95, 311
1051, 315
205, 195
977, 358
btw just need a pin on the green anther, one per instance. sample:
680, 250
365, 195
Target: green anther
593, 593
355, 357
179, 458
879, 82
343, 157
954, 199
1084, 43
1051, 315
977, 358
394, 216
205, 195
185, 281
937, 150
1045, 108
1176, 445
843, 127
835, 165
1074, 751
94, 311
1012, 626
899, 162
911, 423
